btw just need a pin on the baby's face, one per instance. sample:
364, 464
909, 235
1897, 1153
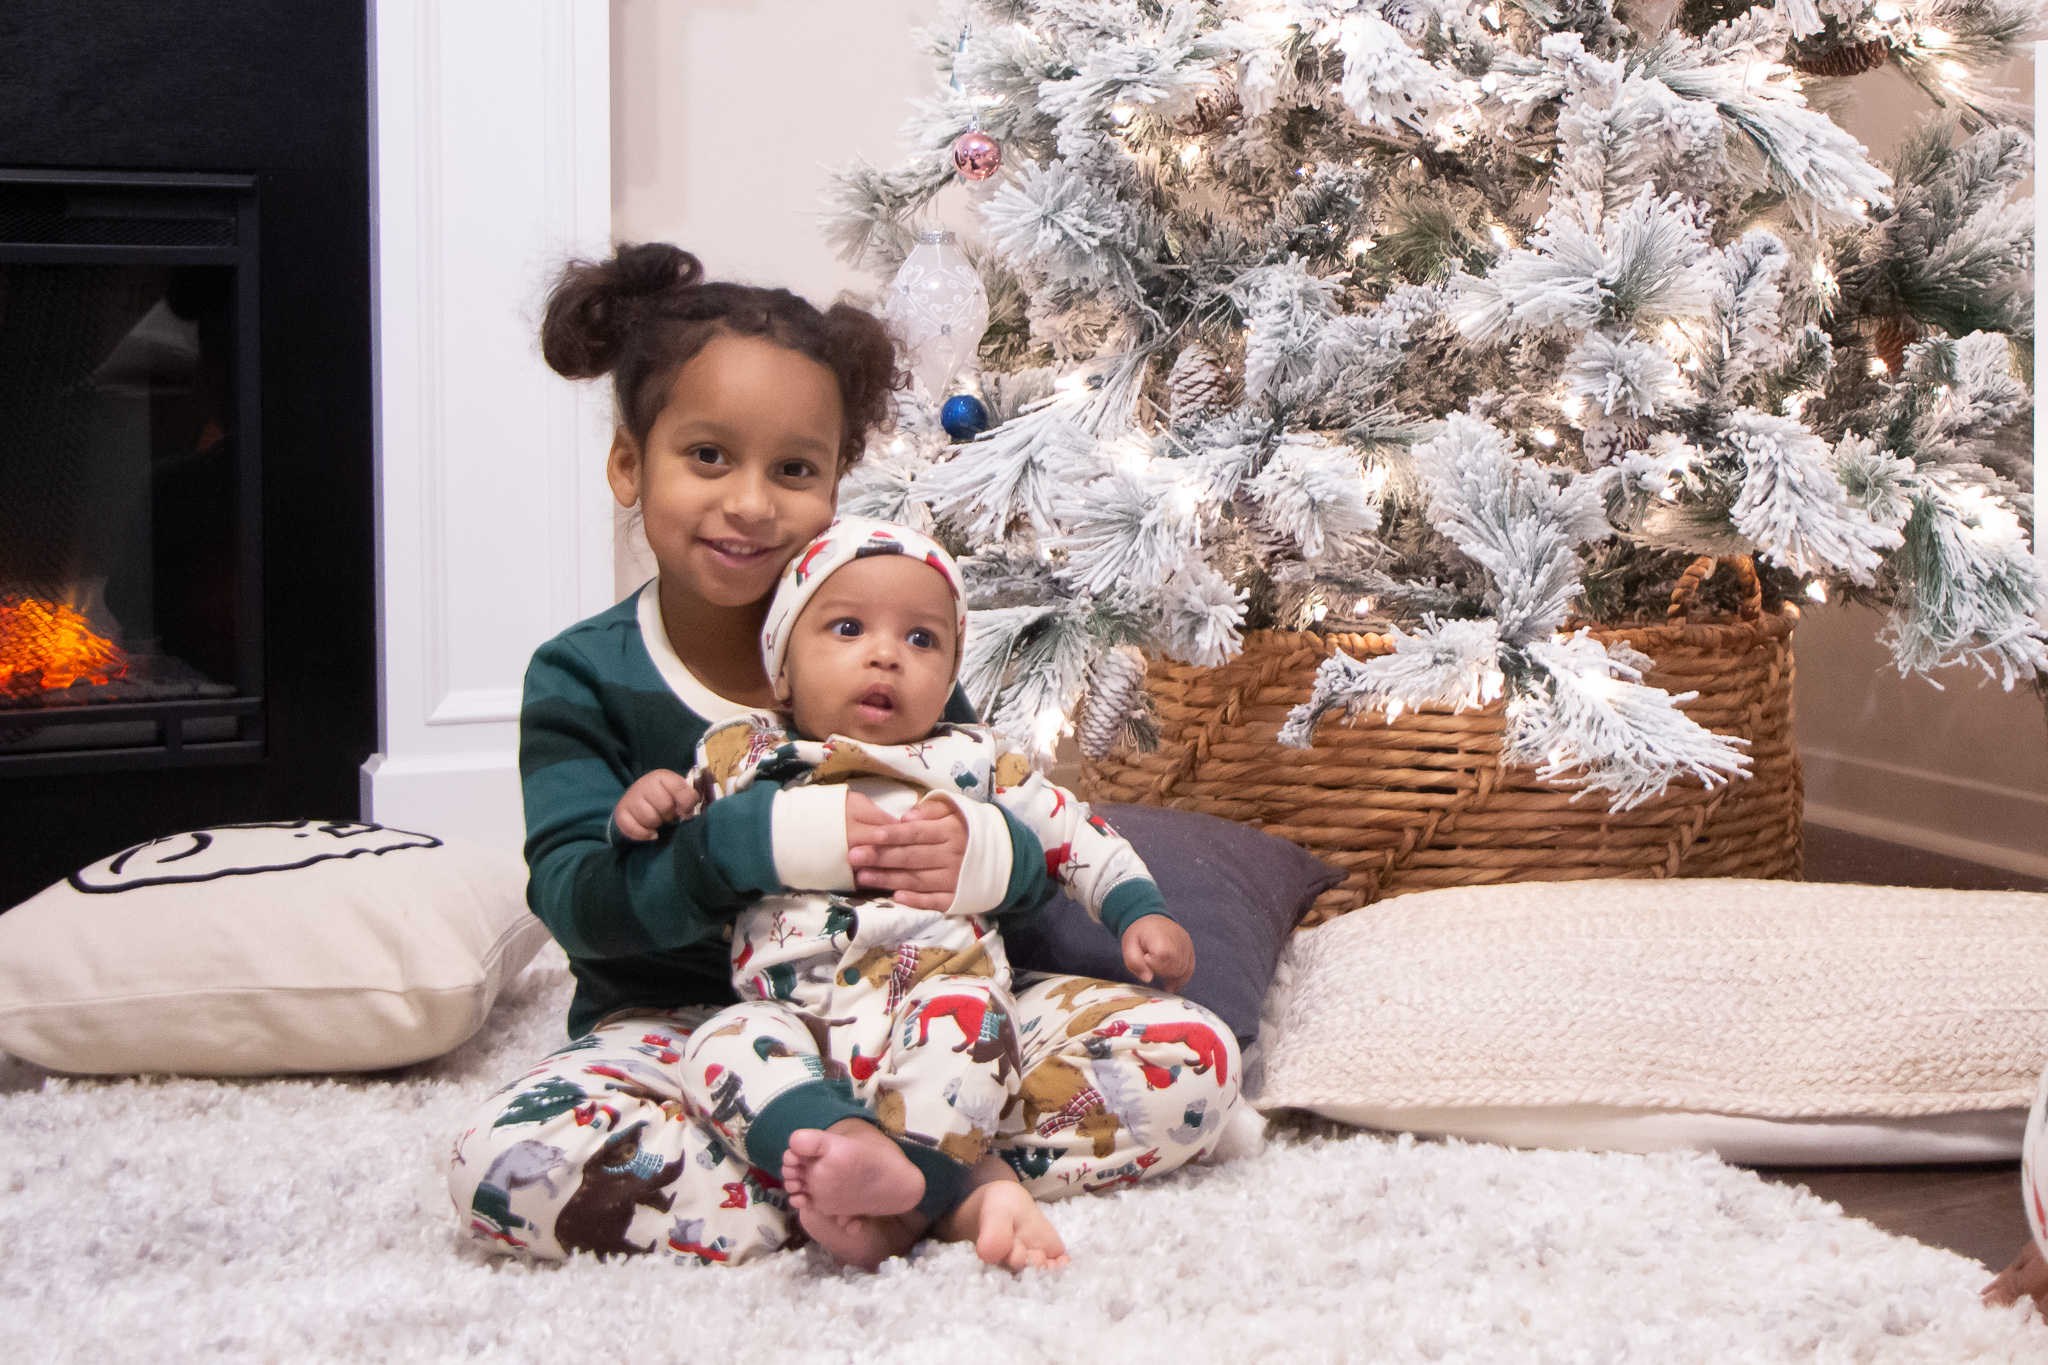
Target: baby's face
871, 654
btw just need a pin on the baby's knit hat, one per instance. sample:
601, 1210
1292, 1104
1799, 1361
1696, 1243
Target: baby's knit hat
845, 540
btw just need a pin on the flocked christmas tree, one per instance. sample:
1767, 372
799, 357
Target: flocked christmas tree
1468, 321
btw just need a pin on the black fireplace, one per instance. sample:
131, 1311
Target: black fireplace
187, 533
129, 434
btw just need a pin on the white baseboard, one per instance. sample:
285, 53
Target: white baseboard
1933, 841
450, 796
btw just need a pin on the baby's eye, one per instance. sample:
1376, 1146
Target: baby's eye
706, 454
923, 639
845, 627
797, 469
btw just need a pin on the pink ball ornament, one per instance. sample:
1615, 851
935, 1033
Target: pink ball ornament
976, 155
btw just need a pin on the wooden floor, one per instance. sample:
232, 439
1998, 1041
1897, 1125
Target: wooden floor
1970, 1209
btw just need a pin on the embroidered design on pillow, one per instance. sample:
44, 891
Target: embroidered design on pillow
205, 855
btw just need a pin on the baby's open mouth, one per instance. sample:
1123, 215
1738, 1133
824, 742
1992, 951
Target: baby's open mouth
876, 704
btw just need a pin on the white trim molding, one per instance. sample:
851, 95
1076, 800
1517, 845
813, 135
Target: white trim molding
491, 165
1958, 817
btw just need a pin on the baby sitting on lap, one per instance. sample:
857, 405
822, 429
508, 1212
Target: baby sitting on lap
905, 1010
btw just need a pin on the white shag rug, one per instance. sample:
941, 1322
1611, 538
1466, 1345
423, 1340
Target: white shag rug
301, 1220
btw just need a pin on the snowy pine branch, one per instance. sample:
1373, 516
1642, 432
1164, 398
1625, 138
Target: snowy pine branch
1591, 723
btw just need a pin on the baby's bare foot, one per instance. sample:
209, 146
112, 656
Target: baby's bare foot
2027, 1275
849, 1169
1007, 1227
861, 1241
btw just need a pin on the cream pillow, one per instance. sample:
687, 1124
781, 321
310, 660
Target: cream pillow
264, 948
1770, 1022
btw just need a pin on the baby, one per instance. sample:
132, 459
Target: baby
907, 1007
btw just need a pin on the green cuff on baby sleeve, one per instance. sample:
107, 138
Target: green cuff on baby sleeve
1128, 902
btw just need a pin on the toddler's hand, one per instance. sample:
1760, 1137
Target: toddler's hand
1156, 947
916, 859
660, 798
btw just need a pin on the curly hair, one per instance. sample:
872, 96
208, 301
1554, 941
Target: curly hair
645, 313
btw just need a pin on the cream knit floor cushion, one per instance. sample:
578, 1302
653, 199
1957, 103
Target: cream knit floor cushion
1769, 1022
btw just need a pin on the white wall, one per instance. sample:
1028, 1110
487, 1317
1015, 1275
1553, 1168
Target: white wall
726, 114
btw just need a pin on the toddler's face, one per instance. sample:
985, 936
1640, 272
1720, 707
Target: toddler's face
740, 470
871, 654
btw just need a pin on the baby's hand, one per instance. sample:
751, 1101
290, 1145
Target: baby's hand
660, 798
1155, 946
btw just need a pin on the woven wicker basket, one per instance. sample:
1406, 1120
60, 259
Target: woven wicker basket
1424, 803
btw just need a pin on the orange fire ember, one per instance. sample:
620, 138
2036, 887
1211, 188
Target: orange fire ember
45, 645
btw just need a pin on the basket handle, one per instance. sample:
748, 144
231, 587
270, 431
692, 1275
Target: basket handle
1686, 596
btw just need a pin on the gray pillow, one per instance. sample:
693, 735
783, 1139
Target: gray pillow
1238, 891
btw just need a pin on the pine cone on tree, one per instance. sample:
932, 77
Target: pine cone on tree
1198, 385
1840, 59
1114, 684
1211, 109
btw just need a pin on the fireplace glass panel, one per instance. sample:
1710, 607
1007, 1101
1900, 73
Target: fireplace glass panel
125, 560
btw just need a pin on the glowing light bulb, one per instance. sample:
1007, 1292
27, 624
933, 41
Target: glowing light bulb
1121, 114
1887, 12
1498, 233
1817, 590
1669, 493
1544, 436
1491, 14
1049, 724
1936, 38
1190, 154
1319, 612
1953, 73
1878, 367
1414, 163
1361, 245
1573, 406
1362, 607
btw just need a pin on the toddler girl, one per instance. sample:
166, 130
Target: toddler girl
863, 644
739, 410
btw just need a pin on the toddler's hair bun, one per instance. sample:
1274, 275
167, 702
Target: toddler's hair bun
595, 305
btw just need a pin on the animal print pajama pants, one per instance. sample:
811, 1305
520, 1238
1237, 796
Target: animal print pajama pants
608, 1145
911, 1023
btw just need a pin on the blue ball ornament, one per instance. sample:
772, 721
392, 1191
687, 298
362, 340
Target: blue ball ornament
963, 417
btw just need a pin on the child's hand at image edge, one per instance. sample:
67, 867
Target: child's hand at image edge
661, 797
1156, 947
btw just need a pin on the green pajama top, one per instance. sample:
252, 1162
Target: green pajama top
644, 924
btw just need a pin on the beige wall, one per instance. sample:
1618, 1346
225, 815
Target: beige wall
727, 118
727, 114
1963, 770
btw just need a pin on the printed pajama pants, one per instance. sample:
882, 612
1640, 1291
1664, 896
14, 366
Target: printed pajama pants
609, 1146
